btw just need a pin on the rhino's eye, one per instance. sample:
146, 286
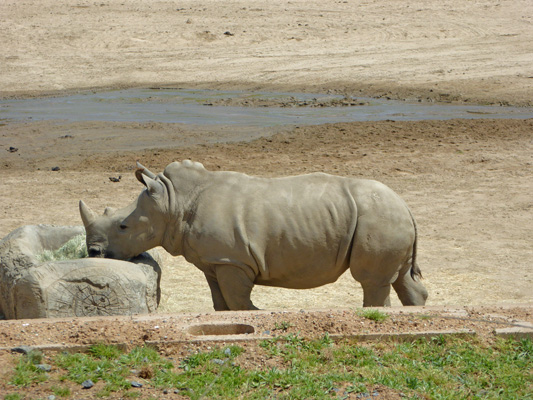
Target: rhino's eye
123, 227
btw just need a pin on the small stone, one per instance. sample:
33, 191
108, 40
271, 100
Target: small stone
87, 384
51, 397
44, 367
13, 149
22, 349
217, 361
136, 384
55, 168
227, 352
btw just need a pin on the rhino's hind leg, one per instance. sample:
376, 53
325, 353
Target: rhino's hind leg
236, 287
410, 291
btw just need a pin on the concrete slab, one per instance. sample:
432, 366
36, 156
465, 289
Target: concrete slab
521, 330
168, 330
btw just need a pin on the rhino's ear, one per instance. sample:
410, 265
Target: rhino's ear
142, 170
139, 175
155, 188
87, 215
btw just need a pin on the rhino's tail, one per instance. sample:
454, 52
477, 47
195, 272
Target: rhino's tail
416, 272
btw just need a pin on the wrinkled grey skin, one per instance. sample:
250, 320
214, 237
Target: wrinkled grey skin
294, 232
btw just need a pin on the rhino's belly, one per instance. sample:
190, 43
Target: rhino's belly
302, 277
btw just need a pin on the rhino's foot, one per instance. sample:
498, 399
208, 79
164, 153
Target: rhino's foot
410, 291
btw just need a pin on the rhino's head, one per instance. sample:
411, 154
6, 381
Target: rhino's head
129, 231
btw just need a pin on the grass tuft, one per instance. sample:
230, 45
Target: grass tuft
13, 396
73, 249
282, 326
373, 314
26, 371
61, 391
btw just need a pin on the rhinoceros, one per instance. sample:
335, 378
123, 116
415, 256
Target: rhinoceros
294, 232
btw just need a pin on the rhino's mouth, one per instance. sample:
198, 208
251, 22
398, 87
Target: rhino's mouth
98, 252
95, 253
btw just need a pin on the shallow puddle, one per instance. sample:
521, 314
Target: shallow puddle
235, 108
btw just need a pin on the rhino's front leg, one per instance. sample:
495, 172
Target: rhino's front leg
219, 303
236, 286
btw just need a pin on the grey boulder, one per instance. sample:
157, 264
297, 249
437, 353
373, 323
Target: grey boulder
30, 288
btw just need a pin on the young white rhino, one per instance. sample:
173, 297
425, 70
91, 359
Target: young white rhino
294, 232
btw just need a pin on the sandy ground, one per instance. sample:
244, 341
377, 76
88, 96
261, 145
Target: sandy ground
442, 49
468, 183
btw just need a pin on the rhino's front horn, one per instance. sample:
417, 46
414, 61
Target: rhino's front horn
87, 215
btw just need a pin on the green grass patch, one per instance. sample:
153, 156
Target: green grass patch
297, 368
61, 391
26, 371
110, 365
282, 326
13, 396
372, 314
73, 249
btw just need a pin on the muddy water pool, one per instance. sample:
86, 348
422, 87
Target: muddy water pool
236, 108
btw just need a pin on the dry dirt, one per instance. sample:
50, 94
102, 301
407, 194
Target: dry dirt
441, 49
468, 183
